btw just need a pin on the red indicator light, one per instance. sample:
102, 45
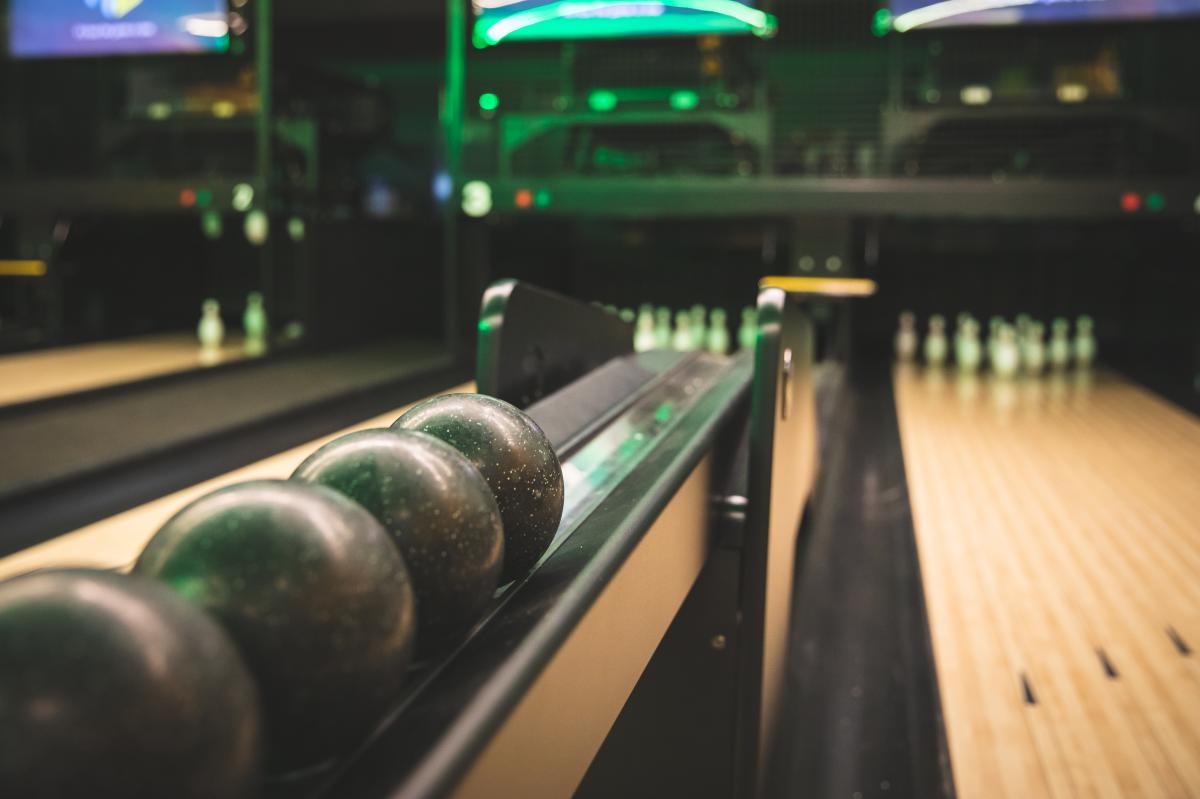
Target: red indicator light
187, 198
1131, 201
524, 198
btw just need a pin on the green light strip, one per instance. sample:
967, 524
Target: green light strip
759, 22
951, 8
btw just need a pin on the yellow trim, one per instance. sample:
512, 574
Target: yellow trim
22, 268
827, 286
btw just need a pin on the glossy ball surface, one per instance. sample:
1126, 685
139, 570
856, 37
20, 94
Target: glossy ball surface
111, 685
316, 597
437, 508
514, 457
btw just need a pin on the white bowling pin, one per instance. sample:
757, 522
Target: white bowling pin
211, 330
644, 337
1059, 350
748, 332
1007, 355
936, 345
1033, 349
662, 328
1085, 342
968, 352
906, 337
254, 323
682, 340
717, 341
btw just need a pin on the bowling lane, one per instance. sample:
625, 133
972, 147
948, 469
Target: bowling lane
115, 542
1056, 524
30, 376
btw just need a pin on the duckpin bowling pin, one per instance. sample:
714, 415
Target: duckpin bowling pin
1008, 357
254, 322
935, 341
1060, 344
718, 333
968, 351
1085, 342
906, 337
211, 330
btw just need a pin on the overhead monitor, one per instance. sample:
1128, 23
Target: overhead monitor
69, 28
913, 14
522, 20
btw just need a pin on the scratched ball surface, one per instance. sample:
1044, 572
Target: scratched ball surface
515, 458
436, 507
315, 595
111, 685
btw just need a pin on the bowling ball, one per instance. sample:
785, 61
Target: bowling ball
111, 685
436, 507
514, 457
316, 597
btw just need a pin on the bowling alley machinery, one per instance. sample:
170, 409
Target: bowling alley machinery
609, 399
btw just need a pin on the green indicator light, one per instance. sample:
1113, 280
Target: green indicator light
1155, 201
211, 224
542, 199
204, 198
489, 101
881, 24
684, 100
602, 100
662, 414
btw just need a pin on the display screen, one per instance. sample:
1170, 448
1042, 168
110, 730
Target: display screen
64, 28
516, 20
911, 14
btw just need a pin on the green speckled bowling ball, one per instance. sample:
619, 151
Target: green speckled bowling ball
437, 508
314, 594
110, 685
515, 459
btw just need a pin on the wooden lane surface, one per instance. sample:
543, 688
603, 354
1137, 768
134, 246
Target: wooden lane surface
1058, 528
65, 370
116, 542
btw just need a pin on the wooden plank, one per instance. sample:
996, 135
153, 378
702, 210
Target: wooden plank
29, 376
116, 542
1057, 526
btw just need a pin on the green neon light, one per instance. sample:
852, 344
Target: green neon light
684, 100
602, 100
489, 101
881, 24
734, 17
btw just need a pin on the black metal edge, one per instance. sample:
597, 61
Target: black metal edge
50, 510
494, 669
763, 398
533, 342
921, 612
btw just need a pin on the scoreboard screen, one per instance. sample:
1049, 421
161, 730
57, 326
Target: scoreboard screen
67, 28
911, 14
517, 20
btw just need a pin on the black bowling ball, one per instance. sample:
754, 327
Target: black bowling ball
112, 686
314, 594
514, 457
436, 507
